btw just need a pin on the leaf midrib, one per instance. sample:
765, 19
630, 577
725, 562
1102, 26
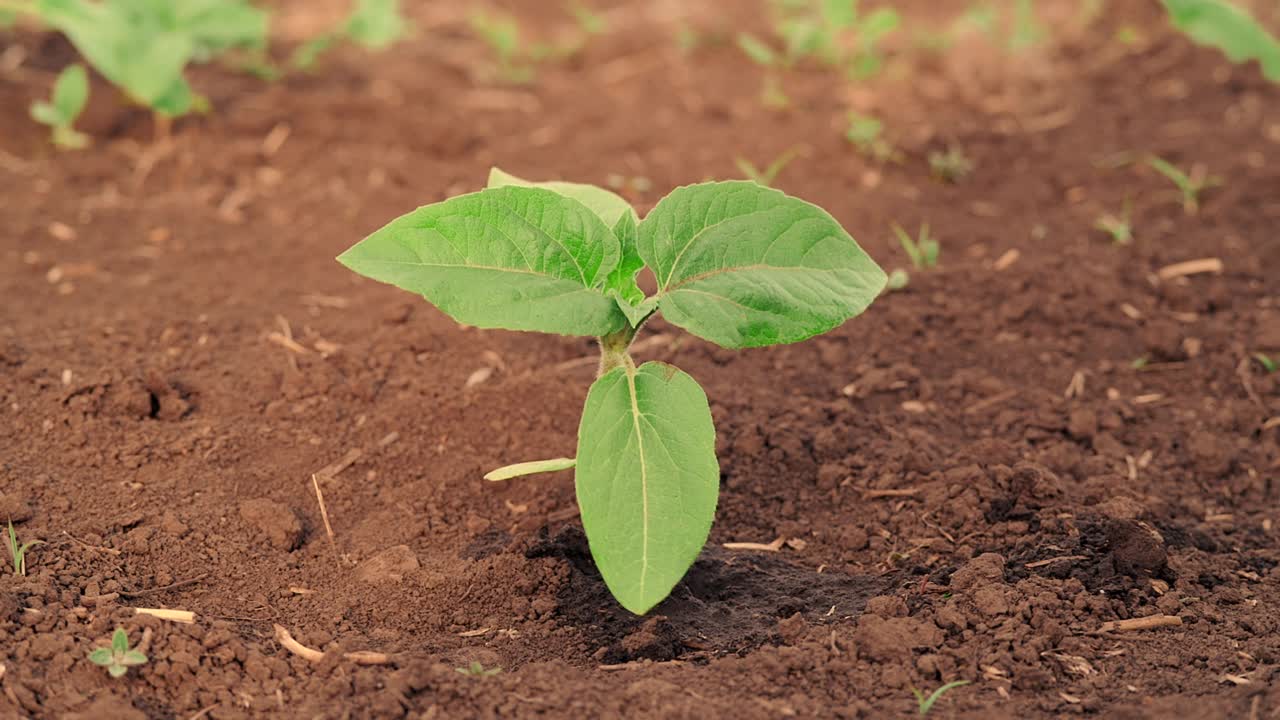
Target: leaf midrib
644, 478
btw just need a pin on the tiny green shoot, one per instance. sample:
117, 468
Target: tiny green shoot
1140, 363
1266, 362
1190, 184
898, 279
589, 21
18, 552
70, 93
923, 251
118, 658
767, 176
834, 32
866, 133
372, 24
476, 669
925, 703
1119, 227
950, 166
501, 32
737, 264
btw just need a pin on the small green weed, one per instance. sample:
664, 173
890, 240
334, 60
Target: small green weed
70, 93
866, 133
926, 703
898, 279
950, 166
766, 176
1119, 227
19, 551
118, 658
923, 251
475, 669
372, 24
1266, 362
1190, 184
831, 31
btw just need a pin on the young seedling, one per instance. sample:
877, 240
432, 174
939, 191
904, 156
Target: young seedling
118, 658
832, 31
867, 135
925, 704
144, 46
1120, 227
951, 166
1230, 28
923, 251
501, 32
1266, 362
70, 93
372, 24
475, 669
766, 176
898, 279
589, 22
18, 552
735, 263
1189, 184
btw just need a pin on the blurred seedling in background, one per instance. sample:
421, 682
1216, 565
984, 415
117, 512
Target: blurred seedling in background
734, 263
923, 250
1190, 184
589, 21
1229, 28
833, 32
516, 60
475, 669
372, 24
1119, 227
18, 552
118, 658
1027, 31
951, 165
1266, 362
70, 94
924, 704
144, 48
898, 279
867, 135
766, 176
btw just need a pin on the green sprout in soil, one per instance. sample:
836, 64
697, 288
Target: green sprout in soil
833, 32
766, 176
589, 22
866, 133
1119, 227
1266, 362
924, 704
1230, 28
737, 264
1190, 184
372, 24
70, 93
1140, 363
144, 48
923, 250
118, 658
950, 166
475, 669
898, 279
18, 552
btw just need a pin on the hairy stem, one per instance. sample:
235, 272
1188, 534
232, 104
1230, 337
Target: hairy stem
613, 349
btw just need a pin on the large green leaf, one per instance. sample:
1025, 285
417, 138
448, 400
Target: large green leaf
516, 258
743, 265
647, 479
1228, 28
608, 205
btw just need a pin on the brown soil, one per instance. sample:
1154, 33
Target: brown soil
972, 480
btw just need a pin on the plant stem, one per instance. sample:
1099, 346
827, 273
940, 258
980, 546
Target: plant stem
613, 349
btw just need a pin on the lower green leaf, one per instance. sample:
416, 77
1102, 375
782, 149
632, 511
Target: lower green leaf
647, 479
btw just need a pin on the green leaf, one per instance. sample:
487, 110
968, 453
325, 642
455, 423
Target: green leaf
71, 92
647, 479
376, 24
119, 641
742, 265
46, 114
100, 656
609, 206
757, 50
133, 657
621, 283
517, 258
1228, 28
